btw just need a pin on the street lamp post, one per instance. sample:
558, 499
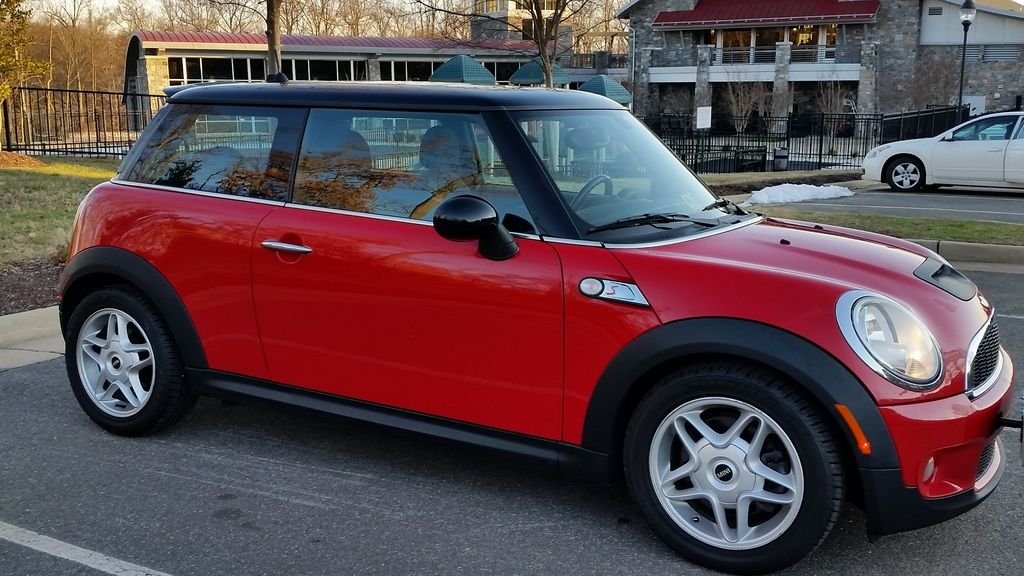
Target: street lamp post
967, 14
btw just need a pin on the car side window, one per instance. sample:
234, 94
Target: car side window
402, 164
998, 128
233, 150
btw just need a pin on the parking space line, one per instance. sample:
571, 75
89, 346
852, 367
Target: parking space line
60, 549
1011, 316
833, 205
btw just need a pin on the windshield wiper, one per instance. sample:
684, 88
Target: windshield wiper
724, 203
644, 219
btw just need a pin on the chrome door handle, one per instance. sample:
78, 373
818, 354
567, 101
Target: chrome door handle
995, 149
286, 247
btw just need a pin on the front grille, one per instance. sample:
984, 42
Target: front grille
986, 461
986, 358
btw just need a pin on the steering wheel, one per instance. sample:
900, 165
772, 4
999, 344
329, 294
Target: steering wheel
609, 186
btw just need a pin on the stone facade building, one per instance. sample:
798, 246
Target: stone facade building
813, 55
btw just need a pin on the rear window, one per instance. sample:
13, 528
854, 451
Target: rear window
233, 150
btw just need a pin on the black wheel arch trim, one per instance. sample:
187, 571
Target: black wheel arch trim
819, 373
116, 262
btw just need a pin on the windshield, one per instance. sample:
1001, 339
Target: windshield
618, 180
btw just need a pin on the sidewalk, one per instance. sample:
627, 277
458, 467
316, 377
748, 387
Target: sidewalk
30, 337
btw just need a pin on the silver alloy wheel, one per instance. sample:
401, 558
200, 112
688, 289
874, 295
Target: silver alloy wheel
905, 175
115, 362
726, 473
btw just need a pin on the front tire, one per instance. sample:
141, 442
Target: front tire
905, 174
734, 468
123, 363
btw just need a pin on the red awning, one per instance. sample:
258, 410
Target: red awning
737, 13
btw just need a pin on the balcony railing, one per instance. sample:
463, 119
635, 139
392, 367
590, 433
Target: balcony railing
799, 55
591, 61
744, 55
581, 61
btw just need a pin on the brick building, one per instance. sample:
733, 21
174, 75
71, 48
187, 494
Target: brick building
886, 55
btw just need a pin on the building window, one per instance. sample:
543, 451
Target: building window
486, 6
735, 46
327, 70
217, 69
805, 43
831, 39
505, 70
194, 70
420, 71
765, 40
935, 10
240, 69
530, 28
399, 74
385, 71
359, 70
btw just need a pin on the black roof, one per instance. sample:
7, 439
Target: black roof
389, 94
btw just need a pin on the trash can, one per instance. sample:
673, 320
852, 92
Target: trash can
780, 160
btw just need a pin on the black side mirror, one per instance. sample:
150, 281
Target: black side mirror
467, 218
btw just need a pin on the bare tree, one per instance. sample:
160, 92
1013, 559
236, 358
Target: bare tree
743, 98
132, 16
541, 22
935, 82
292, 14
834, 97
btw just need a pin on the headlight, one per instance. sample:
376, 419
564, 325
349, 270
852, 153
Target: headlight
876, 151
890, 339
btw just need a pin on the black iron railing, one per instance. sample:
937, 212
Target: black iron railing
813, 142
75, 122
922, 123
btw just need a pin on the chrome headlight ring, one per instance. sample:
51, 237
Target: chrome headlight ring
890, 339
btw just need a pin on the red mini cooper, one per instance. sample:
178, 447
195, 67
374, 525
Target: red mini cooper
533, 271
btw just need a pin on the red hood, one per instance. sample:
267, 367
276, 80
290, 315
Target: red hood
791, 274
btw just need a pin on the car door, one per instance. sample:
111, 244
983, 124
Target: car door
356, 298
1014, 163
973, 153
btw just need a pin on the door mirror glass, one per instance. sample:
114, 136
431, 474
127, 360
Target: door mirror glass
467, 218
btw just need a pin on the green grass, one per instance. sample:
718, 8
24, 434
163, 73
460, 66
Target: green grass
37, 205
916, 228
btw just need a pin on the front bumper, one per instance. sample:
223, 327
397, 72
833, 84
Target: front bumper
950, 455
873, 169
892, 507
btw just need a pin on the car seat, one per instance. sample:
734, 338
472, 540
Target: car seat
336, 174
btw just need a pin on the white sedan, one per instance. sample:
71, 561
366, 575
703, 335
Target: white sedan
986, 151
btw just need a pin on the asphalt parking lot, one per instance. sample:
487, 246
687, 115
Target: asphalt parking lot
983, 204
236, 490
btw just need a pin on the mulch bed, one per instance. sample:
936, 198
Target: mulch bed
12, 160
27, 285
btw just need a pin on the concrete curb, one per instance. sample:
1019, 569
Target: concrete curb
975, 252
30, 337
28, 326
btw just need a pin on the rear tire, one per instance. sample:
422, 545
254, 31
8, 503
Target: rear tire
757, 483
123, 363
905, 174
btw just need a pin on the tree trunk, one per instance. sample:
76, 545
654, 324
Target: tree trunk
273, 37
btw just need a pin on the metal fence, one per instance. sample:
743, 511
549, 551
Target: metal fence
75, 122
922, 123
813, 142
